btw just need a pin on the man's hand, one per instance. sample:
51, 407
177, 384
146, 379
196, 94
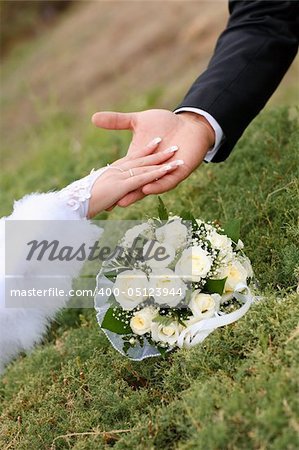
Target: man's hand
190, 132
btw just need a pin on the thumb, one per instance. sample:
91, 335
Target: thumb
113, 120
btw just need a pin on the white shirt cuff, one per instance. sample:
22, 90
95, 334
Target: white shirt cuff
219, 135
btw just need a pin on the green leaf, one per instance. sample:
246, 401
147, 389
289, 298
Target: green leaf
187, 215
115, 325
126, 347
162, 211
232, 229
181, 322
164, 320
162, 350
215, 286
111, 275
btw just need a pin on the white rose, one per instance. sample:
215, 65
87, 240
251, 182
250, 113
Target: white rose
169, 285
132, 233
245, 261
173, 233
141, 321
218, 240
222, 243
236, 273
194, 264
130, 288
204, 306
166, 333
222, 272
158, 255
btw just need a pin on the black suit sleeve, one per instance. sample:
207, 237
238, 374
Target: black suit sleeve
250, 59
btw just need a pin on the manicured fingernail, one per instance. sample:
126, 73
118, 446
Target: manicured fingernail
155, 141
172, 165
178, 162
165, 168
171, 149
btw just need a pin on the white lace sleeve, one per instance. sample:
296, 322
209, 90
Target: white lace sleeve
22, 328
77, 194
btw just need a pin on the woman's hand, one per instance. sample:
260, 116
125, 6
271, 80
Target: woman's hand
130, 173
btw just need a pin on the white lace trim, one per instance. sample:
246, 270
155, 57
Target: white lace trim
77, 194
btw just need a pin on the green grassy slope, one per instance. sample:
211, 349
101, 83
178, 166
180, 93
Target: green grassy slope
238, 389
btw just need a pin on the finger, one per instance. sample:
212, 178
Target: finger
147, 150
149, 160
130, 198
138, 194
111, 207
168, 182
136, 181
136, 171
113, 120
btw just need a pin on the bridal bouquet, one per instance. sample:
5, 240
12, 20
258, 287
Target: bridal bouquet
171, 282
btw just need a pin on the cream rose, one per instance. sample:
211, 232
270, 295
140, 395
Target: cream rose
134, 232
204, 306
194, 264
236, 273
173, 233
167, 288
158, 255
141, 321
130, 288
166, 333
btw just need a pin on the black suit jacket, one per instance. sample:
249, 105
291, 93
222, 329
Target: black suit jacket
250, 59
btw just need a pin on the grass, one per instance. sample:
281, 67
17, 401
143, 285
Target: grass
235, 391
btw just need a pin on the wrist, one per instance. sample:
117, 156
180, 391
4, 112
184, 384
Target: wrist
201, 121
94, 204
